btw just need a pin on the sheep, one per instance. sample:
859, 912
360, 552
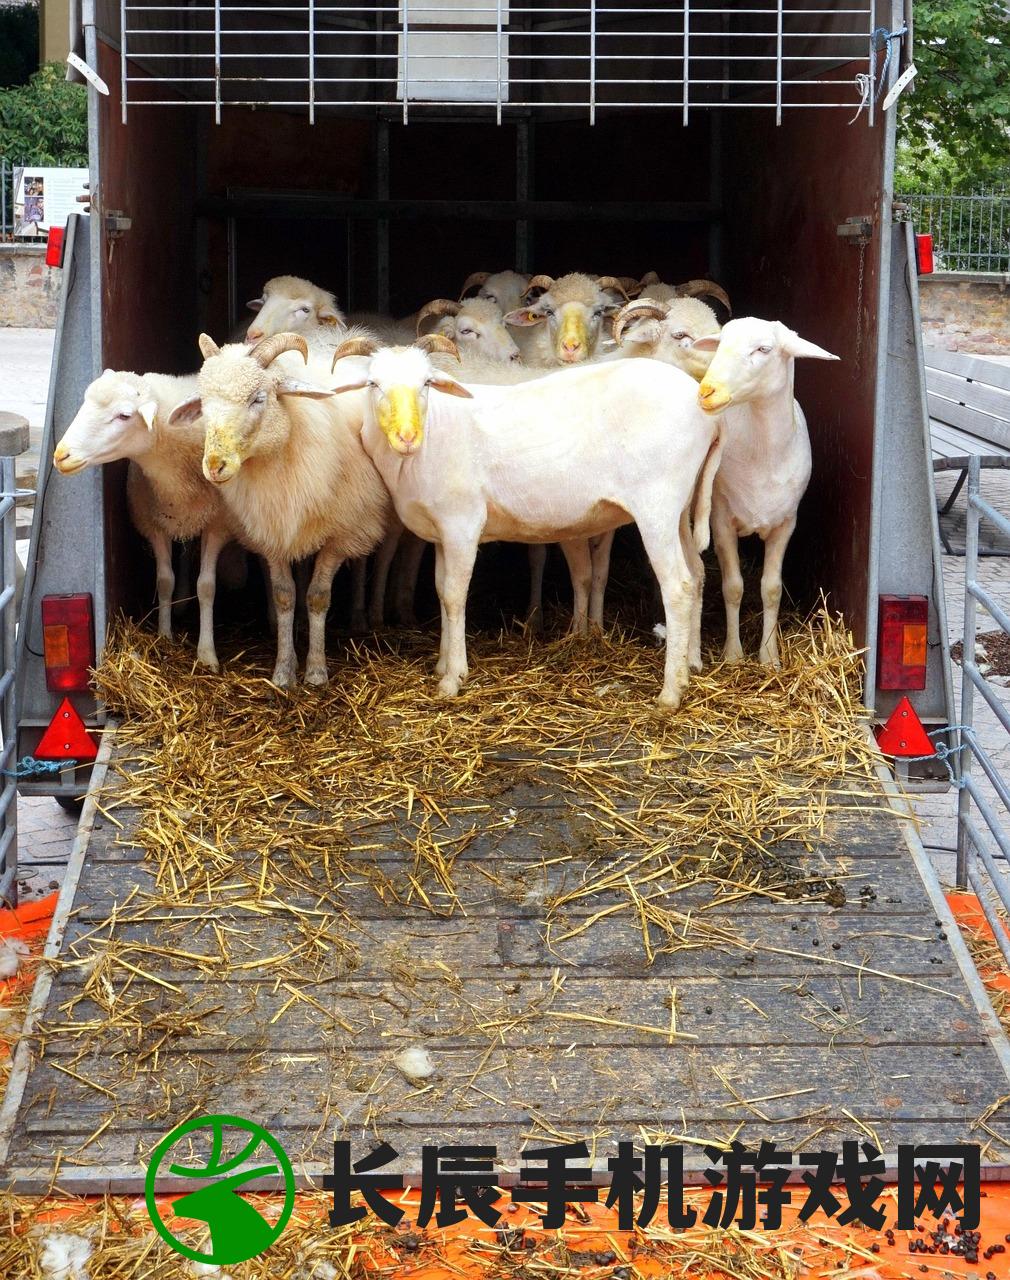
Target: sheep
650, 286
766, 459
666, 331
291, 472
475, 325
126, 415
506, 288
571, 310
289, 304
565, 457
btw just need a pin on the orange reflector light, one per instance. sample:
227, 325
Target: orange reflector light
902, 642
68, 641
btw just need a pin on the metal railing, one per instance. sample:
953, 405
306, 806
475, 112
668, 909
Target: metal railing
13, 441
500, 54
974, 855
970, 233
7, 188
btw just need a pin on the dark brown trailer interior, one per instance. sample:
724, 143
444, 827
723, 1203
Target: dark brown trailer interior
761, 204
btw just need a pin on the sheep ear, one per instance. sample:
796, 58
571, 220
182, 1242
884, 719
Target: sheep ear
328, 315
254, 304
208, 347
450, 387
295, 387
793, 345
186, 410
351, 386
149, 411
710, 342
523, 317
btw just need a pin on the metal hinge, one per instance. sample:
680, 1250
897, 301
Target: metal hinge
117, 224
857, 230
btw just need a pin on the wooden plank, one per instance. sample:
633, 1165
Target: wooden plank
951, 442
988, 372
989, 400
982, 425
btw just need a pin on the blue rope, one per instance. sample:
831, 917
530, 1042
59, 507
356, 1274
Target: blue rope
28, 766
943, 752
881, 39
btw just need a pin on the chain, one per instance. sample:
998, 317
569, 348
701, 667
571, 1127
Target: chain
859, 304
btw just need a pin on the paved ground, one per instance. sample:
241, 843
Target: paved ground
47, 832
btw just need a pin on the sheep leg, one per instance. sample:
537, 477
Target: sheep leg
359, 576
212, 541
161, 545
317, 599
282, 587
580, 566
771, 590
380, 575
411, 556
535, 608
697, 568
666, 555
599, 549
728, 553
443, 645
458, 556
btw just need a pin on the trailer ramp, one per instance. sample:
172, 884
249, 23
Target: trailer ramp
850, 1010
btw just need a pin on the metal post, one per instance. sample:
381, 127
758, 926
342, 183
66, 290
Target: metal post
13, 440
592, 61
406, 61
312, 61
965, 847
217, 61
122, 57
382, 225
498, 73
778, 63
687, 61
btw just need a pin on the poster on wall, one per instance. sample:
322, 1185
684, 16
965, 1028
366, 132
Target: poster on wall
45, 197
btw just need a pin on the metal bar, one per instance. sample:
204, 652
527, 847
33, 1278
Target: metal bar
996, 829
995, 923
406, 58
123, 55
967, 689
217, 61
984, 509
778, 63
976, 678
8, 704
687, 61
296, 204
991, 772
498, 60
592, 61
312, 62
989, 604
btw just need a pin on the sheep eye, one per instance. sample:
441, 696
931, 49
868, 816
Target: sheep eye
491, 298
466, 333
124, 417
259, 397
764, 350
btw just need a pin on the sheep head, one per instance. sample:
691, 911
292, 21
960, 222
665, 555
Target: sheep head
574, 308
476, 326
752, 359
505, 288
667, 331
650, 286
116, 420
290, 304
239, 396
398, 380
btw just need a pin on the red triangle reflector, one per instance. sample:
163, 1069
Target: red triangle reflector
903, 734
66, 738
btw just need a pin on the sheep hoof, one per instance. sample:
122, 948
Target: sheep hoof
669, 699
770, 658
696, 665
732, 656
448, 686
316, 675
284, 676
535, 621
208, 660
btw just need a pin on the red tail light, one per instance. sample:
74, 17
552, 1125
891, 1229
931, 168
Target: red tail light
54, 247
924, 255
68, 640
901, 654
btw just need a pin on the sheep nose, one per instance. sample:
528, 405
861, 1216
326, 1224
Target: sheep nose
253, 335
571, 346
514, 359
215, 464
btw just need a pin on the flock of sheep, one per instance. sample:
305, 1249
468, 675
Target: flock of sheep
539, 410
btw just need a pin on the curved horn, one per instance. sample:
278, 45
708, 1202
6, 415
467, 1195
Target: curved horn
612, 282
266, 351
474, 281
644, 309
437, 307
208, 347
354, 347
432, 342
538, 282
703, 288
631, 286
650, 277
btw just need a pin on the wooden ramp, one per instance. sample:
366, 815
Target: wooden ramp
775, 1022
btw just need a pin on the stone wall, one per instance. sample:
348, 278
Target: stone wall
29, 290
963, 312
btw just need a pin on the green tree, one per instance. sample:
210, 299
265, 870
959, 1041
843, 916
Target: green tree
955, 126
46, 120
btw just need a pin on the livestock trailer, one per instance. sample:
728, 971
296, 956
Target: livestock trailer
386, 151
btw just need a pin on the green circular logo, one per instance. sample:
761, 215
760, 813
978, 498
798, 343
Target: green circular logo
237, 1230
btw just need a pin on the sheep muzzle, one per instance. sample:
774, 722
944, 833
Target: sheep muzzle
65, 462
714, 396
221, 455
573, 336
401, 420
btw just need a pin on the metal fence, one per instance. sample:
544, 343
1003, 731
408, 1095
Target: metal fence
970, 233
13, 441
7, 168
974, 855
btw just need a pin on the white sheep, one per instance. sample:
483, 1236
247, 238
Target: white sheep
650, 286
666, 331
288, 462
569, 315
766, 459
289, 304
476, 325
566, 457
505, 288
126, 415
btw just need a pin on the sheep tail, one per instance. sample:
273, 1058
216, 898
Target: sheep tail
702, 507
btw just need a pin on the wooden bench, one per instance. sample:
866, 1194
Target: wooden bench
969, 415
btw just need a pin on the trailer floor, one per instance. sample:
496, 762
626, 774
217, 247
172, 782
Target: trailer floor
803, 1021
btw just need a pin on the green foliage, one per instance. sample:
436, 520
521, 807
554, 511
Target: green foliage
955, 126
46, 120
19, 43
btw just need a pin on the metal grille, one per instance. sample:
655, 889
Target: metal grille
970, 233
496, 55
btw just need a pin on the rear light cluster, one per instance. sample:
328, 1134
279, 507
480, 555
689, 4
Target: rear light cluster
924, 254
68, 642
902, 632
